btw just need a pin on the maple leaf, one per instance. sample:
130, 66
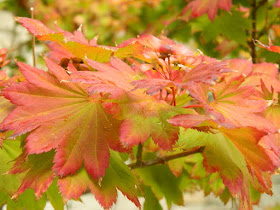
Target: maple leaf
162, 183
160, 48
256, 75
205, 72
52, 110
239, 67
154, 85
200, 7
273, 113
188, 120
38, 176
234, 105
57, 52
265, 72
5, 108
237, 155
118, 175
137, 128
8, 152
76, 43
113, 78
142, 115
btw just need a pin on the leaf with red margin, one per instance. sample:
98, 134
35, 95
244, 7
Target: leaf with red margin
234, 105
226, 152
118, 175
113, 78
239, 106
77, 44
52, 110
199, 7
39, 174
138, 128
143, 116
256, 155
34, 26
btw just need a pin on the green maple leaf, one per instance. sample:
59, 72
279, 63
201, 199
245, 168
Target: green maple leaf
9, 183
9, 151
162, 183
237, 156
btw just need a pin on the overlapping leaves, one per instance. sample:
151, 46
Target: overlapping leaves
75, 115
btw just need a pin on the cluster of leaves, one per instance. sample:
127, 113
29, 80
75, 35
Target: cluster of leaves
212, 124
202, 21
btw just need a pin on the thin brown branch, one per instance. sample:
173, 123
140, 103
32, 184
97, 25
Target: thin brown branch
139, 154
254, 31
162, 160
255, 36
33, 40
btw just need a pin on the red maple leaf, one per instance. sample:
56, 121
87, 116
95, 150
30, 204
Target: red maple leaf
234, 105
52, 110
142, 115
200, 7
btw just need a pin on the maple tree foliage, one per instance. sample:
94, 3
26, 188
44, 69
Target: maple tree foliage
101, 118
199, 7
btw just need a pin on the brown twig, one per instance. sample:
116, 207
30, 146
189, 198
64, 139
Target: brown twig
255, 36
139, 154
33, 40
254, 31
162, 160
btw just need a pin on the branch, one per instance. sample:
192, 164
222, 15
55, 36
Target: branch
139, 155
261, 4
33, 39
255, 7
254, 31
162, 160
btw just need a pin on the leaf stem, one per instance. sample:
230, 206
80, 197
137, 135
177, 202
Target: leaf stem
193, 106
139, 154
174, 96
162, 160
